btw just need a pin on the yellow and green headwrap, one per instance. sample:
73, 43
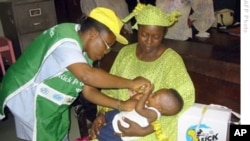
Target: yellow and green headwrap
151, 15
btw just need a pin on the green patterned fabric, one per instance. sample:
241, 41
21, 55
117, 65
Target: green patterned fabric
168, 71
151, 15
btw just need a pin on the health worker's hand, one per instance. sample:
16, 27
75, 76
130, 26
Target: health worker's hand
140, 84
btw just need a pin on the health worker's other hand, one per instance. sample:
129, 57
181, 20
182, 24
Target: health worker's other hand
140, 84
98, 122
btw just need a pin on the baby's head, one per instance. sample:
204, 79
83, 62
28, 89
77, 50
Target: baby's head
167, 101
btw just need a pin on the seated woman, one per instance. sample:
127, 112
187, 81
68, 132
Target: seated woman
156, 61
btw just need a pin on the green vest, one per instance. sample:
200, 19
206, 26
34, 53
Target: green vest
55, 93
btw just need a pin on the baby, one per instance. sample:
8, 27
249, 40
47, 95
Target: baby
149, 108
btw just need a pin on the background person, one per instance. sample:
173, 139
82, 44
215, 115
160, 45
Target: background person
180, 30
119, 6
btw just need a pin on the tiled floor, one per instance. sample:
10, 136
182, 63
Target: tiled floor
7, 129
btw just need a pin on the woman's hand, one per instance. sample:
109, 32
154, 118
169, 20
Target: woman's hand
134, 129
133, 101
140, 84
98, 122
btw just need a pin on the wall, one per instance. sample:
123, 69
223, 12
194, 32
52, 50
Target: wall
1, 28
230, 4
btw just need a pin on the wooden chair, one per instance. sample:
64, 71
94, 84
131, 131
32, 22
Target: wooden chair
6, 47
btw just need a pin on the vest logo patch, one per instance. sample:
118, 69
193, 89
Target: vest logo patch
54, 95
57, 97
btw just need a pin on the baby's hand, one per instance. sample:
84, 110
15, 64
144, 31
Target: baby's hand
132, 93
149, 90
143, 90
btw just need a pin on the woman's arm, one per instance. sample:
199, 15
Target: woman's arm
95, 96
99, 78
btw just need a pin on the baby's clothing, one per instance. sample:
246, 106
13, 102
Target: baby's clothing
112, 123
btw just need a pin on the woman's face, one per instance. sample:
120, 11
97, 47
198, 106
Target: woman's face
100, 45
150, 37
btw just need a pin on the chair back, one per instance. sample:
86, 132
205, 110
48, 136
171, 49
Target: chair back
6, 52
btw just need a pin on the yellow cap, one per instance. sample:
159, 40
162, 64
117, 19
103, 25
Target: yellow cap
110, 19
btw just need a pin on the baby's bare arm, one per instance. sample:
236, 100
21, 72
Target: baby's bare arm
140, 106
